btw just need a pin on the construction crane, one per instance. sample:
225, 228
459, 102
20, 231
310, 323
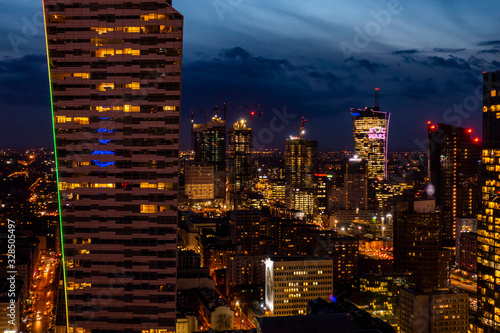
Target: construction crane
216, 109
302, 128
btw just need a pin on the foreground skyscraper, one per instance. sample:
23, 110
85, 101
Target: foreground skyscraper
115, 71
454, 170
370, 130
488, 250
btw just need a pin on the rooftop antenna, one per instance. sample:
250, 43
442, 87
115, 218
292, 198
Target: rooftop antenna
377, 107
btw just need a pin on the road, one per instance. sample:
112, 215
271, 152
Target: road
44, 288
470, 287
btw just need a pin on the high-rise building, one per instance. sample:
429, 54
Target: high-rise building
418, 249
454, 170
355, 183
210, 147
488, 261
115, 75
247, 226
300, 168
239, 163
371, 129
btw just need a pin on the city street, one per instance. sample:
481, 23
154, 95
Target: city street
44, 296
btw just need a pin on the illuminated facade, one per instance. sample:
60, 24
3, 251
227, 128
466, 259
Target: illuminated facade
454, 169
239, 168
300, 168
371, 130
199, 181
210, 147
292, 282
488, 244
115, 74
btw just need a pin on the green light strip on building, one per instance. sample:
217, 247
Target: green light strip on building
63, 261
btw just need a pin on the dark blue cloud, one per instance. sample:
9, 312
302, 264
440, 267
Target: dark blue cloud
363, 63
446, 50
490, 51
455, 63
415, 89
405, 52
489, 43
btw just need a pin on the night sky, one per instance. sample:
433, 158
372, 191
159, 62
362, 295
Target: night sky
315, 58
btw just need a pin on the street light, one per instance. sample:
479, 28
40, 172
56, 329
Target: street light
238, 306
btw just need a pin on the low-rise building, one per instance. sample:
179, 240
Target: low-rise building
292, 282
433, 312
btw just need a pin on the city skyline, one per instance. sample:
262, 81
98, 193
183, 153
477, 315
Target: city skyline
422, 68
230, 166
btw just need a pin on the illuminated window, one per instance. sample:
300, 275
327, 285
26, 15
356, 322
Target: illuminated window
81, 120
59, 76
493, 93
153, 16
82, 75
148, 209
101, 185
63, 119
105, 85
148, 185
104, 52
130, 108
133, 85
169, 108
166, 186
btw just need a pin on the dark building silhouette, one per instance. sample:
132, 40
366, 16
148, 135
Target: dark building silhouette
239, 162
210, 147
418, 249
454, 170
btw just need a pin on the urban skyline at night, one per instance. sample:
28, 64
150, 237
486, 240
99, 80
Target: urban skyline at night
243, 167
422, 75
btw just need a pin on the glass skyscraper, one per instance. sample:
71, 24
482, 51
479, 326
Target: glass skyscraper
115, 76
371, 130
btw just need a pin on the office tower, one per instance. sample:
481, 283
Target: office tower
435, 312
247, 226
454, 169
199, 181
321, 181
239, 168
418, 249
371, 129
210, 147
115, 72
488, 261
292, 282
300, 167
355, 192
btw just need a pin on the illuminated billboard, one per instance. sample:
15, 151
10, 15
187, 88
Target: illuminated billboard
269, 294
376, 133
